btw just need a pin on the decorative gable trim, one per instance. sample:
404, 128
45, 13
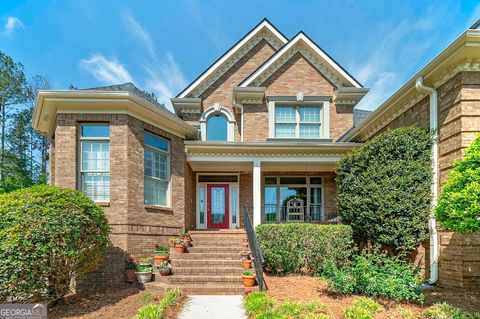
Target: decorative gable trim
310, 50
264, 30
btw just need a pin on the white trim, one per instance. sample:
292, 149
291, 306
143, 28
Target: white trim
257, 193
325, 120
217, 109
271, 119
231, 52
323, 56
203, 185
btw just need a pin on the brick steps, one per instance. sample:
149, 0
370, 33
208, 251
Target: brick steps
211, 266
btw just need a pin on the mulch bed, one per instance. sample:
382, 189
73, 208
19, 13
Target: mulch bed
111, 304
307, 288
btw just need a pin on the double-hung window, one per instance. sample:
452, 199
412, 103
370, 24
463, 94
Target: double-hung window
298, 121
157, 175
95, 161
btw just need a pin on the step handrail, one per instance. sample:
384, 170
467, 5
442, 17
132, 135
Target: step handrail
254, 248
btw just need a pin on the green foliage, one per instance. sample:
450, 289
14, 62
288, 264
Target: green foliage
446, 311
146, 298
459, 203
292, 247
362, 308
259, 305
379, 275
48, 236
171, 298
384, 188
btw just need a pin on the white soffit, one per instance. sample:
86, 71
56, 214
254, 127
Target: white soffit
264, 25
324, 58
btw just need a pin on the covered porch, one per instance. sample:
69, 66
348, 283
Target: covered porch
277, 182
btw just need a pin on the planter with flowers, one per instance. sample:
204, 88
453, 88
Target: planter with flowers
144, 270
165, 269
130, 267
186, 238
161, 254
246, 263
245, 254
180, 246
248, 278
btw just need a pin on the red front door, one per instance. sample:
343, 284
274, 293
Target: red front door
217, 206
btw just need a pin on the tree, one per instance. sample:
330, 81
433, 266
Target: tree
12, 84
459, 203
384, 188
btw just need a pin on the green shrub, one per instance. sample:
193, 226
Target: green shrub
48, 236
384, 188
362, 308
171, 298
378, 275
446, 311
291, 247
259, 305
459, 203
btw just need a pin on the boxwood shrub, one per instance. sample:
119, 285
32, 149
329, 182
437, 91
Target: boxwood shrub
384, 188
289, 248
48, 236
459, 203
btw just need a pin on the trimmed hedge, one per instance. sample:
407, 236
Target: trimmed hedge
384, 188
48, 236
459, 203
290, 248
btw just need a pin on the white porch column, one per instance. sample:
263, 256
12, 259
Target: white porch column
257, 214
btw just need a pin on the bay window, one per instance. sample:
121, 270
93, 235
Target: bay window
95, 161
156, 173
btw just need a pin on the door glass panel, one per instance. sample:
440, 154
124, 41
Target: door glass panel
218, 205
270, 204
201, 196
234, 205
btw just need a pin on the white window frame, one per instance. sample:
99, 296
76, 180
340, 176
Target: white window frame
162, 152
80, 156
324, 131
217, 109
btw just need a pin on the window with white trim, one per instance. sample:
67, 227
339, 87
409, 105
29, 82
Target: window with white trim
298, 121
157, 170
95, 161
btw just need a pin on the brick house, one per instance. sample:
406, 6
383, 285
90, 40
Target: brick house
262, 128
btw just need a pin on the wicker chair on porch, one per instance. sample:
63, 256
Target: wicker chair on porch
295, 210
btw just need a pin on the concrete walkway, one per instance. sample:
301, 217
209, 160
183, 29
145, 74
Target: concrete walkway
213, 307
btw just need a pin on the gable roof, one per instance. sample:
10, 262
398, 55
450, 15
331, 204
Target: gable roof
328, 66
211, 70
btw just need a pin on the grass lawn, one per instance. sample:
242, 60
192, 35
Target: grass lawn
111, 304
307, 289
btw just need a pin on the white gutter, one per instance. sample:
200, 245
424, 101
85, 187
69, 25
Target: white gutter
434, 251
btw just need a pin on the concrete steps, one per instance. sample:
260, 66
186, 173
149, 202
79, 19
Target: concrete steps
211, 266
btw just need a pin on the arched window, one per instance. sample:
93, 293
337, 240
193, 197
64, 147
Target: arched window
217, 129
217, 123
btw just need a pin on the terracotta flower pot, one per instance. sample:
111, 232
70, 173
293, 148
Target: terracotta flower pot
247, 264
130, 275
160, 259
180, 249
187, 240
248, 281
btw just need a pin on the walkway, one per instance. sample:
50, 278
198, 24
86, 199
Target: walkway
213, 307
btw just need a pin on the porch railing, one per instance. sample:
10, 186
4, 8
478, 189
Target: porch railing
312, 214
254, 248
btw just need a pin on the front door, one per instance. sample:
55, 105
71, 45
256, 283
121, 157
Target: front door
217, 206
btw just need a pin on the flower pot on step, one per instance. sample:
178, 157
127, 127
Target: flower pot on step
180, 249
248, 279
247, 263
159, 259
165, 269
144, 277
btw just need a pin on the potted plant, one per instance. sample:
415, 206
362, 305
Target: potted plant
171, 241
164, 269
161, 254
180, 246
246, 263
145, 262
144, 273
245, 243
245, 254
248, 278
186, 238
130, 267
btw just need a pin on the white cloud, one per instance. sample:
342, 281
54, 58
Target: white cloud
106, 71
11, 24
136, 29
396, 54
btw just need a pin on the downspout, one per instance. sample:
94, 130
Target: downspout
434, 251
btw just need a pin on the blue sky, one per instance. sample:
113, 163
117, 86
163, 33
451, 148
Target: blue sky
162, 46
